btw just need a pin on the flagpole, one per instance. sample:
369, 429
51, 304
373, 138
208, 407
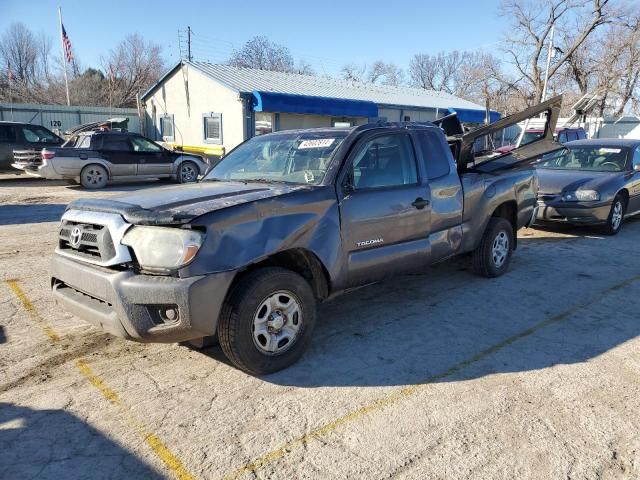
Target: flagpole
64, 60
10, 92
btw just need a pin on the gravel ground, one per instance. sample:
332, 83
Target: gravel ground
434, 375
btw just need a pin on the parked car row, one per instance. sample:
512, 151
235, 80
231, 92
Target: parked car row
590, 182
93, 157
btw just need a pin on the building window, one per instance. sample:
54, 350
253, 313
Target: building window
341, 122
264, 123
166, 128
407, 118
212, 127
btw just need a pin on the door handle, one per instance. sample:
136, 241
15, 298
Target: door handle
420, 203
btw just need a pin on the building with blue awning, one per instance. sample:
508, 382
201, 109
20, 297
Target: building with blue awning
216, 107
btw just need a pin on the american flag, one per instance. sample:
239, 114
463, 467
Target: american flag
67, 45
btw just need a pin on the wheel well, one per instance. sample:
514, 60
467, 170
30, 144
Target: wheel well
625, 193
304, 263
193, 162
509, 211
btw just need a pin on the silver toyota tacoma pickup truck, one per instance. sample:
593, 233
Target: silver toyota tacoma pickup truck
289, 219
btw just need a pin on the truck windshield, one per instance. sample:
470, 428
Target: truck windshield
301, 158
591, 158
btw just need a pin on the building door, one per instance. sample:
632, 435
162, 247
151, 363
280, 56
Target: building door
154, 129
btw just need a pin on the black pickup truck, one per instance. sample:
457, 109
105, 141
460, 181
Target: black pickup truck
291, 218
92, 158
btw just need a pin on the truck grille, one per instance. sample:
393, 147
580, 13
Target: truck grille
86, 240
28, 157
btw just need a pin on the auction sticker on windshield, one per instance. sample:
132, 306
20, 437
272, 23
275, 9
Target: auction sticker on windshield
316, 143
609, 150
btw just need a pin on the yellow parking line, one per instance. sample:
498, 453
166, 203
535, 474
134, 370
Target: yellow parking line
152, 440
159, 448
28, 306
405, 392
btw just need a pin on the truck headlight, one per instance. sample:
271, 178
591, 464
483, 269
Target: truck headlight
581, 196
162, 248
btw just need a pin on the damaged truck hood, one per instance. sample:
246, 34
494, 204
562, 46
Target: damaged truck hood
182, 203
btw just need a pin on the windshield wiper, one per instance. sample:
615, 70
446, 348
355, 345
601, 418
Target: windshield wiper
261, 180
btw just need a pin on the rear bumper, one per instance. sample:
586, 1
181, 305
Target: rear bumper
42, 171
579, 214
134, 306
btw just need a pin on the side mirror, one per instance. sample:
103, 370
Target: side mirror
348, 187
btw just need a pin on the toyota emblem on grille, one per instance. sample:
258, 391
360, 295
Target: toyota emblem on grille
76, 235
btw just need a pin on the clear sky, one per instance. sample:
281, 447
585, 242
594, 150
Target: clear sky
326, 34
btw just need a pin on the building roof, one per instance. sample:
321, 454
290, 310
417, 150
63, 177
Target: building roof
248, 80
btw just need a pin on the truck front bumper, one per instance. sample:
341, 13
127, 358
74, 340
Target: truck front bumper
144, 308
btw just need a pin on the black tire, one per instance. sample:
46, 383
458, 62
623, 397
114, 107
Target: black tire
187, 172
94, 176
613, 226
484, 260
236, 323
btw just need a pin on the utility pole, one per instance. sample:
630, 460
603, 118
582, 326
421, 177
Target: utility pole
549, 55
189, 57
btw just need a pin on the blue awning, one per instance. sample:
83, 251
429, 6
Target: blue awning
468, 115
288, 103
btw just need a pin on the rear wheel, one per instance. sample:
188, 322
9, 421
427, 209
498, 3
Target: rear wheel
493, 255
616, 215
267, 322
94, 176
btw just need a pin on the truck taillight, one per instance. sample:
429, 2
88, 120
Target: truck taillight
47, 155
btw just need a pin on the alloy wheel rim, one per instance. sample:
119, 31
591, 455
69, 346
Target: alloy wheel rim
500, 249
94, 176
616, 216
188, 173
277, 323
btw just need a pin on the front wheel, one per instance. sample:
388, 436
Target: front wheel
267, 322
616, 215
187, 172
493, 255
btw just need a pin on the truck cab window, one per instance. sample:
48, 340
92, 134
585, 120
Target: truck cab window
435, 154
385, 161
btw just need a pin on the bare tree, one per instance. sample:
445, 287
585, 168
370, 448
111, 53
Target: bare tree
304, 68
19, 48
527, 43
385, 73
136, 65
353, 72
263, 54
